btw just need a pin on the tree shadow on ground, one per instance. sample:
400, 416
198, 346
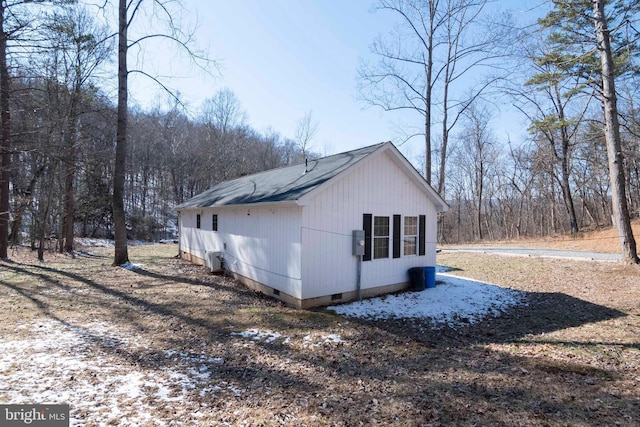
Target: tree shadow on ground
134, 310
406, 365
540, 312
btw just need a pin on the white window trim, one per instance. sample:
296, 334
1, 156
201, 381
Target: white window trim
381, 237
405, 236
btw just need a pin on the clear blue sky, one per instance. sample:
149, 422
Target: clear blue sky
283, 58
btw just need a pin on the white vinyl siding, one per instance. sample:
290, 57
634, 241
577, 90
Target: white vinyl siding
378, 187
262, 244
306, 251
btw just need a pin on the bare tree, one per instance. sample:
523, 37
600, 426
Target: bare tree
121, 254
555, 104
127, 11
5, 141
306, 129
477, 156
222, 117
223, 111
13, 19
75, 47
423, 59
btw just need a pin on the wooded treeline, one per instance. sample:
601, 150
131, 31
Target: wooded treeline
62, 123
499, 191
63, 135
558, 180
171, 158
573, 77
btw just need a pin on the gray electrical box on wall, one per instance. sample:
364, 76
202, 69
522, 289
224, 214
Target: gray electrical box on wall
358, 242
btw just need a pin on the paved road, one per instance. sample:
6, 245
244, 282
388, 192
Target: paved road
545, 253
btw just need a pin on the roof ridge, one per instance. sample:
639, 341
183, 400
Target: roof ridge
279, 184
301, 163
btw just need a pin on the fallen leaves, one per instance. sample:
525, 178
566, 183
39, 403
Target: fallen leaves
170, 344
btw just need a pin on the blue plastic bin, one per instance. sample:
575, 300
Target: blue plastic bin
430, 277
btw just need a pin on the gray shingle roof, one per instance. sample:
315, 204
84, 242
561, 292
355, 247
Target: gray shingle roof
277, 185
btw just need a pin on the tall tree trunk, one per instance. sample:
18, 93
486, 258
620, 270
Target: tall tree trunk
68, 198
121, 255
42, 230
612, 137
428, 94
72, 139
445, 112
5, 143
22, 204
69, 208
480, 187
568, 201
445, 138
564, 162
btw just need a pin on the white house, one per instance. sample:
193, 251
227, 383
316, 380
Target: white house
289, 232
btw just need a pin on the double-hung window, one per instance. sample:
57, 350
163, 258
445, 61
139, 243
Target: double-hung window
380, 237
410, 235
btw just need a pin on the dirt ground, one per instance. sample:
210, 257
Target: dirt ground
169, 344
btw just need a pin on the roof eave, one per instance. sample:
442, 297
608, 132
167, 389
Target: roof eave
281, 204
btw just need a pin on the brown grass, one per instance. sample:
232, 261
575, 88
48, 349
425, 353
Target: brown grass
570, 357
599, 240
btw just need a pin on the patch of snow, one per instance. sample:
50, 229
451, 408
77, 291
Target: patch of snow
96, 243
106, 243
457, 300
193, 358
332, 339
167, 241
131, 266
309, 340
132, 385
84, 367
258, 335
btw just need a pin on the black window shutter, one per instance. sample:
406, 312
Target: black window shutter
396, 236
421, 235
367, 223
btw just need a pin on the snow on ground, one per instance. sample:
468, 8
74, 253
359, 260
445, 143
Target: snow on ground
96, 243
258, 335
455, 300
131, 266
268, 336
109, 243
92, 369
316, 341
59, 363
